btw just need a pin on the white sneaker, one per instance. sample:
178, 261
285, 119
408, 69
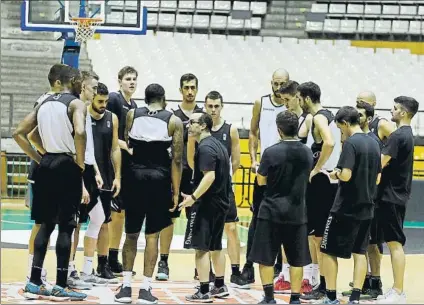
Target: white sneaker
392, 297
75, 282
44, 279
93, 279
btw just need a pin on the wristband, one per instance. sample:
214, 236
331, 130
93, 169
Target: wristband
193, 197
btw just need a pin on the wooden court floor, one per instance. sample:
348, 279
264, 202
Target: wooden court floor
181, 262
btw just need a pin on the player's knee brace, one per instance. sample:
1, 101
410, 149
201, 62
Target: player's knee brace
93, 230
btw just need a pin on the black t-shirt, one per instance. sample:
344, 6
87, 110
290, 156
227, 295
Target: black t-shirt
355, 198
287, 166
119, 106
396, 178
211, 155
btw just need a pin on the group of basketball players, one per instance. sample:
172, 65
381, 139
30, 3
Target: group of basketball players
327, 186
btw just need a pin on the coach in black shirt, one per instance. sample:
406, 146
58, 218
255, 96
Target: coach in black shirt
348, 227
394, 191
210, 204
284, 169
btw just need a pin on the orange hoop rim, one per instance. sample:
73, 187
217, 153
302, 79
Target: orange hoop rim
86, 20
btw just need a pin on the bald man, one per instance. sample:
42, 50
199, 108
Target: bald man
262, 126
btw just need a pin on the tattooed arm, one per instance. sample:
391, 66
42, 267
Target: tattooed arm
176, 129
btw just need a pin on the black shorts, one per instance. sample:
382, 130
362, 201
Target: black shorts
186, 187
118, 203
270, 236
232, 211
150, 199
90, 184
320, 196
205, 228
389, 223
258, 195
57, 191
345, 235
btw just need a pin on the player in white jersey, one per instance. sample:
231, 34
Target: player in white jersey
34, 137
57, 194
326, 151
263, 127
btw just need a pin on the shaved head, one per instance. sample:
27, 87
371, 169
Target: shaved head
367, 97
281, 74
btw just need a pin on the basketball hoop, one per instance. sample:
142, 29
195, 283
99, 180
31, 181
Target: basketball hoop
85, 28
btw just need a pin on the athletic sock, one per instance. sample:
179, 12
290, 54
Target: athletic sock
71, 267
356, 293
204, 288
315, 271
307, 273
88, 265
219, 281
269, 292
294, 297
322, 285
36, 275
249, 264
146, 284
164, 258
102, 260
331, 294
127, 277
286, 272
30, 260
235, 269
113, 255
61, 277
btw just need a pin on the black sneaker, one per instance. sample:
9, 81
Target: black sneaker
237, 281
163, 271
116, 268
265, 301
199, 297
104, 272
315, 294
220, 292
146, 297
248, 274
124, 295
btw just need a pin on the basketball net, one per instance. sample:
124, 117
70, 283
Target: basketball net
85, 28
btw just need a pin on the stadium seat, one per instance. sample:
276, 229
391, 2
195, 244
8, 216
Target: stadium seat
166, 20
186, 6
184, 21
224, 6
319, 8
218, 22
383, 26
168, 6
416, 27
235, 23
355, 8
421, 10
337, 8
366, 26
372, 9
204, 5
314, 26
408, 10
348, 26
152, 19
243, 6
391, 9
201, 21
151, 5
331, 25
258, 8
254, 23
400, 26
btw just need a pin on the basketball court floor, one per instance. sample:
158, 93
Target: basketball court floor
15, 226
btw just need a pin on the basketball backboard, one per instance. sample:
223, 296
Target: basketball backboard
119, 17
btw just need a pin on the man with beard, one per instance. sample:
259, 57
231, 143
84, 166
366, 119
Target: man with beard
322, 190
108, 157
263, 127
120, 103
61, 125
188, 88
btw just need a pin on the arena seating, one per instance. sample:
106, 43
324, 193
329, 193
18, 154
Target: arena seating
240, 68
205, 15
370, 19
